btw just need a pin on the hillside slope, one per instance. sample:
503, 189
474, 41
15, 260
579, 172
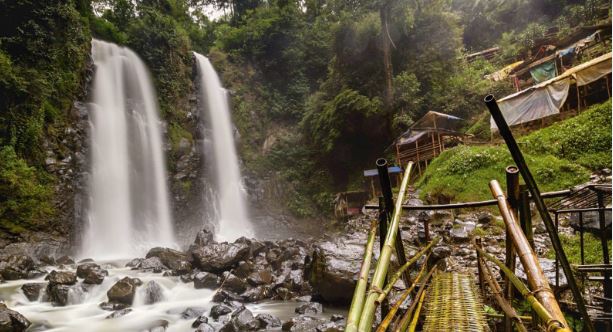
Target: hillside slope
559, 157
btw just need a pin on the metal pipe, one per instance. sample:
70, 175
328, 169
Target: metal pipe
386, 190
491, 202
606, 282
525, 215
512, 177
536, 278
382, 235
505, 132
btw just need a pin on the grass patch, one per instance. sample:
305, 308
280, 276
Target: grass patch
585, 138
462, 173
592, 248
560, 156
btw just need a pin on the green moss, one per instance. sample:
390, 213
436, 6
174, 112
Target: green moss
176, 133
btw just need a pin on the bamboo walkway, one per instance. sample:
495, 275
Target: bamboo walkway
454, 304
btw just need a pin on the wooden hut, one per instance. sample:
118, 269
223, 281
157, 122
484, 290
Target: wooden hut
427, 138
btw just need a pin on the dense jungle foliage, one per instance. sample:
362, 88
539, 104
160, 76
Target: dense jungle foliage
319, 88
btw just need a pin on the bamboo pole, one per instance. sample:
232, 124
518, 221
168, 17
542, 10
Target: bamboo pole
368, 313
359, 294
497, 292
401, 270
536, 278
552, 323
404, 322
390, 315
415, 319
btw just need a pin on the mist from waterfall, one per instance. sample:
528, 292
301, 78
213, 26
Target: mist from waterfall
128, 207
232, 219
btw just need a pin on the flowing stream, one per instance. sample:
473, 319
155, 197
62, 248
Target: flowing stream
83, 313
232, 217
128, 210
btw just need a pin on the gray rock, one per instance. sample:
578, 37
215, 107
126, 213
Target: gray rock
192, 312
256, 294
262, 277
268, 321
153, 292
119, 313
202, 319
61, 278
123, 291
219, 310
233, 283
16, 267
58, 293
303, 324
205, 280
205, 327
219, 257
12, 321
32, 290
110, 306
172, 259
151, 264
242, 320
309, 308
92, 273
203, 238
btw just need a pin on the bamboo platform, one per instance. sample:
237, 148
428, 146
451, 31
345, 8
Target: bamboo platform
454, 304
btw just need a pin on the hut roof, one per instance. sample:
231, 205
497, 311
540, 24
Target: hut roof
431, 122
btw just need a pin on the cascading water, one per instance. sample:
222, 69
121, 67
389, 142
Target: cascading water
128, 210
232, 219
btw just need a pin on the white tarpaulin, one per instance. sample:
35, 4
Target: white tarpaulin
547, 98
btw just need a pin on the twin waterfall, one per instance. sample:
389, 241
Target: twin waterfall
232, 220
128, 207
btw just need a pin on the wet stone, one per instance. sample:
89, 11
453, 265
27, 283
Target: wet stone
119, 313
309, 308
32, 290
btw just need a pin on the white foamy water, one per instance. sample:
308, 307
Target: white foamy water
84, 314
128, 210
232, 217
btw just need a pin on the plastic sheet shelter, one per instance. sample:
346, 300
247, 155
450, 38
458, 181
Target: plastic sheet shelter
427, 138
546, 98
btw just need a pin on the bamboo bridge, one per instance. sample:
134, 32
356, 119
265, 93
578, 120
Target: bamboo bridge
452, 301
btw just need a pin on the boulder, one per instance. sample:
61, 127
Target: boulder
302, 324
243, 269
15, 267
58, 293
205, 280
202, 319
203, 238
192, 312
333, 268
219, 310
32, 290
123, 291
65, 260
153, 292
172, 259
309, 308
119, 313
61, 278
262, 277
241, 320
110, 306
153, 264
12, 321
233, 283
226, 296
92, 273
268, 321
135, 263
205, 327
219, 257
256, 294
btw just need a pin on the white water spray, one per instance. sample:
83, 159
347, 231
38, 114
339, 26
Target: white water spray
232, 219
128, 205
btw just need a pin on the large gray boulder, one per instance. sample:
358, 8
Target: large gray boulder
123, 291
219, 257
172, 259
12, 321
14, 267
334, 267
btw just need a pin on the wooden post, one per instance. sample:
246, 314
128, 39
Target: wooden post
479, 269
578, 98
438, 135
525, 216
398, 156
606, 79
418, 160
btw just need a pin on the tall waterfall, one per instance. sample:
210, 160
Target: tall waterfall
232, 219
128, 208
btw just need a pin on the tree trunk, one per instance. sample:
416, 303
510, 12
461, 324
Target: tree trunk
387, 57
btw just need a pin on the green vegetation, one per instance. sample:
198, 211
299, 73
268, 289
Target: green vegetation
559, 157
584, 139
462, 173
24, 194
592, 248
